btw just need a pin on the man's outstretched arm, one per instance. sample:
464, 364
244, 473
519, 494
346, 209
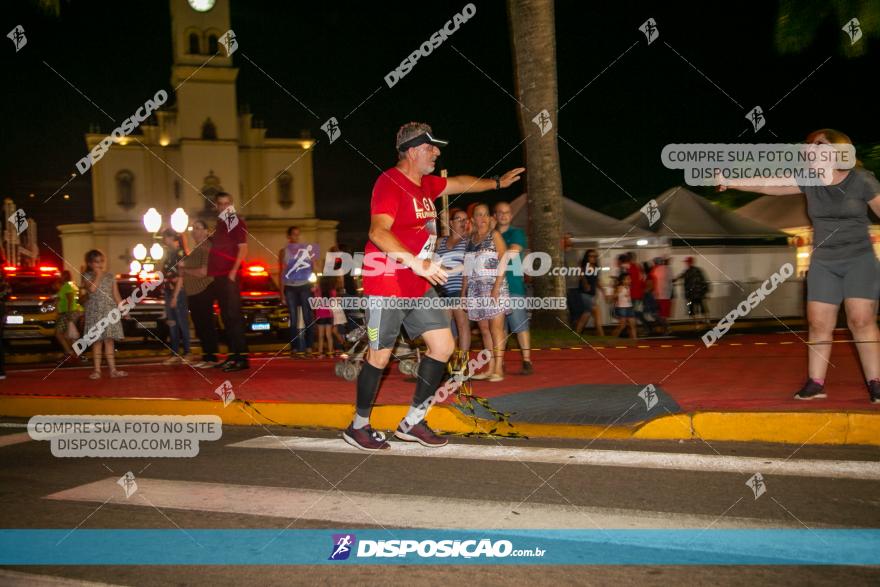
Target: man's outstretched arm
462, 184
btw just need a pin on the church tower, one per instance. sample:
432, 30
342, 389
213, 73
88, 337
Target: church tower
197, 144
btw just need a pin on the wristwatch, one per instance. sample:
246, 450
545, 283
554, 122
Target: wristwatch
497, 182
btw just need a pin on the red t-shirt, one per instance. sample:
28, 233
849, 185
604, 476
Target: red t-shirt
224, 247
415, 226
637, 281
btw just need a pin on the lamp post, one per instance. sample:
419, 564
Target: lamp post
144, 260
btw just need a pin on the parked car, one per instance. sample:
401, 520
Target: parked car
31, 303
262, 302
147, 318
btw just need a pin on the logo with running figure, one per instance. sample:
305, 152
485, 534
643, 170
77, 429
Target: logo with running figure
303, 261
756, 117
854, 29
17, 37
342, 547
650, 30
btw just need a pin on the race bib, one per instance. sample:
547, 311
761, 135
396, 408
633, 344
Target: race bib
427, 251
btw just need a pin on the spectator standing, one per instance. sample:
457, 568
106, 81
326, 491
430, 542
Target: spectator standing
228, 251
69, 312
517, 320
102, 298
326, 290
637, 287
486, 289
589, 293
196, 286
662, 279
696, 287
572, 280
176, 307
451, 250
297, 264
623, 306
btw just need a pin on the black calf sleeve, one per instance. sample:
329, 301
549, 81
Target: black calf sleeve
431, 372
367, 388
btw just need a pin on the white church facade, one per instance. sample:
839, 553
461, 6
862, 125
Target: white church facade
196, 144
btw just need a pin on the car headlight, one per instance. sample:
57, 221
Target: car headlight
46, 308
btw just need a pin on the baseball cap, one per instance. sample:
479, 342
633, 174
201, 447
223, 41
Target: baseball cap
413, 134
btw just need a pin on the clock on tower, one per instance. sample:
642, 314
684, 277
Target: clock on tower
201, 5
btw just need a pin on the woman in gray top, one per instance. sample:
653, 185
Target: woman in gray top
843, 267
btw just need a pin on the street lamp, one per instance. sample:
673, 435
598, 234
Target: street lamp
139, 252
152, 220
134, 267
156, 251
179, 220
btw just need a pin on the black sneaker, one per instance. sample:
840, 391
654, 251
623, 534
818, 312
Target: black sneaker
365, 438
237, 365
811, 390
874, 391
222, 364
527, 368
422, 434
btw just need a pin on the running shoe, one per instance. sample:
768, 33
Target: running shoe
874, 391
527, 368
236, 365
365, 438
422, 434
811, 390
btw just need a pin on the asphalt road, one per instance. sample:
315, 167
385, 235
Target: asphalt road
264, 483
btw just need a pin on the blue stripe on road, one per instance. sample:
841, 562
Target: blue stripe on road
312, 547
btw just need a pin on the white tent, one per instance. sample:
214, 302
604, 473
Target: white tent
584, 224
787, 213
736, 253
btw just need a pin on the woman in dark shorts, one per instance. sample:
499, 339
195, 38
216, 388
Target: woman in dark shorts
843, 267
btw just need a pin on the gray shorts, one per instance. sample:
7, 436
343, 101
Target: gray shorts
834, 281
383, 324
518, 319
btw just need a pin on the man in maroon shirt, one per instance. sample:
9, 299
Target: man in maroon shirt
400, 263
228, 251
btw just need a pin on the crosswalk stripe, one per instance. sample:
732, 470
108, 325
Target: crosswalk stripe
390, 510
605, 458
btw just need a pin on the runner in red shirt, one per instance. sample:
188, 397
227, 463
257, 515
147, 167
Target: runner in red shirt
400, 265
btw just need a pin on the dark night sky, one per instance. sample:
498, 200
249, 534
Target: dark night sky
333, 56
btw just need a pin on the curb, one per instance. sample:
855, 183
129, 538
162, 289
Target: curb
829, 428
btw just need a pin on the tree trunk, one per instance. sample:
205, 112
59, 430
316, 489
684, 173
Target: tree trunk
533, 38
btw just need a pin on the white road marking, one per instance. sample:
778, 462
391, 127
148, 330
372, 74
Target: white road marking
386, 509
604, 458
